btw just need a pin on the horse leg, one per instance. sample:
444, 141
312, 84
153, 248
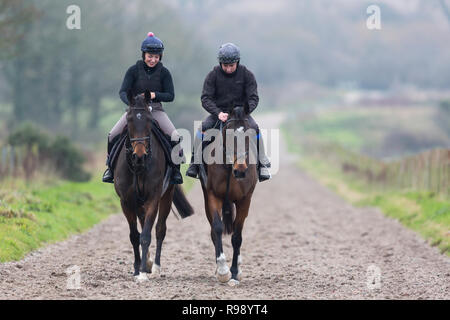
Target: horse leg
141, 217
242, 208
209, 216
164, 210
222, 271
134, 235
151, 210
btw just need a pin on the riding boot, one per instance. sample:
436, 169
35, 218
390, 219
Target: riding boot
176, 177
108, 176
263, 161
194, 167
192, 171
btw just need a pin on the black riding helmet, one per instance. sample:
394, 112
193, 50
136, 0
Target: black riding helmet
152, 44
229, 53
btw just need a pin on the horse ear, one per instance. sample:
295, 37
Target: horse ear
147, 96
130, 98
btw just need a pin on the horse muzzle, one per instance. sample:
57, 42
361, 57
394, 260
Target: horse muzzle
238, 174
139, 161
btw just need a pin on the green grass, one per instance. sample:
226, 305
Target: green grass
345, 129
424, 212
31, 216
373, 130
188, 182
46, 212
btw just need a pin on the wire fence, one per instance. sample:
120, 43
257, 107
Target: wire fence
17, 162
426, 171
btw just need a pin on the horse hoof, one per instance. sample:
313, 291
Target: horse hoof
142, 277
224, 277
233, 282
239, 276
156, 271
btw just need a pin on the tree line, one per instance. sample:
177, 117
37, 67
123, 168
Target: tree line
60, 79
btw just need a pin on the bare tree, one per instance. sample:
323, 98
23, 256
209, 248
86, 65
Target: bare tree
14, 14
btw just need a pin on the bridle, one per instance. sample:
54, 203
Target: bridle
140, 140
238, 155
138, 170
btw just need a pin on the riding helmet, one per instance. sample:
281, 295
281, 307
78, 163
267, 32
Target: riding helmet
229, 53
152, 44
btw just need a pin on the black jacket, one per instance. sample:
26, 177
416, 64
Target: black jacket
222, 91
164, 91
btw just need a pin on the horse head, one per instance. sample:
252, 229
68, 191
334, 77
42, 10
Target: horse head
139, 122
237, 138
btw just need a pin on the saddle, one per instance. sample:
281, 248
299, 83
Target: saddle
162, 138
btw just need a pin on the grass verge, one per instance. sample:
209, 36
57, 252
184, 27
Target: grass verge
32, 215
424, 212
43, 212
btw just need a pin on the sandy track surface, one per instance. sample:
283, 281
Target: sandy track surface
300, 241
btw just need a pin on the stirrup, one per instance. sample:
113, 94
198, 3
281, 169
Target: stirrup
176, 179
108, 176
264, 174
175, 176
193, 170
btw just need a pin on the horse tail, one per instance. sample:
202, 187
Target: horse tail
228, 211
181, 203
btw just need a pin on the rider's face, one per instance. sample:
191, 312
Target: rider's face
151, 59
229, 67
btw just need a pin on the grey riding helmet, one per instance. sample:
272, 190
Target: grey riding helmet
229, 53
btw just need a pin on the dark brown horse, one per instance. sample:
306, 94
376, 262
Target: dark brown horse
139, 176
228, 190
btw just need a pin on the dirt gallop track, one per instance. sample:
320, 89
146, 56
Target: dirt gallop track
299, 241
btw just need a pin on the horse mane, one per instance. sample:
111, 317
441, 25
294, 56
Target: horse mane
138, 101
239, 112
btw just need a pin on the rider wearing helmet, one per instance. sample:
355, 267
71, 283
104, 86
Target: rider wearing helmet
227, 84
148, 74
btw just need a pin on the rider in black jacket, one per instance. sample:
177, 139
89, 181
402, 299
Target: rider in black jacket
148, 74
227, 84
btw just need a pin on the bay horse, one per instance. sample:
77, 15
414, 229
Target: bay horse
139, 176
228, 191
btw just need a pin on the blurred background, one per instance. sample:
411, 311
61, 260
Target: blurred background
372, 106
389, 85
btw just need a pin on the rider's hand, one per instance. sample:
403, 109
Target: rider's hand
223, 116
152, 95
